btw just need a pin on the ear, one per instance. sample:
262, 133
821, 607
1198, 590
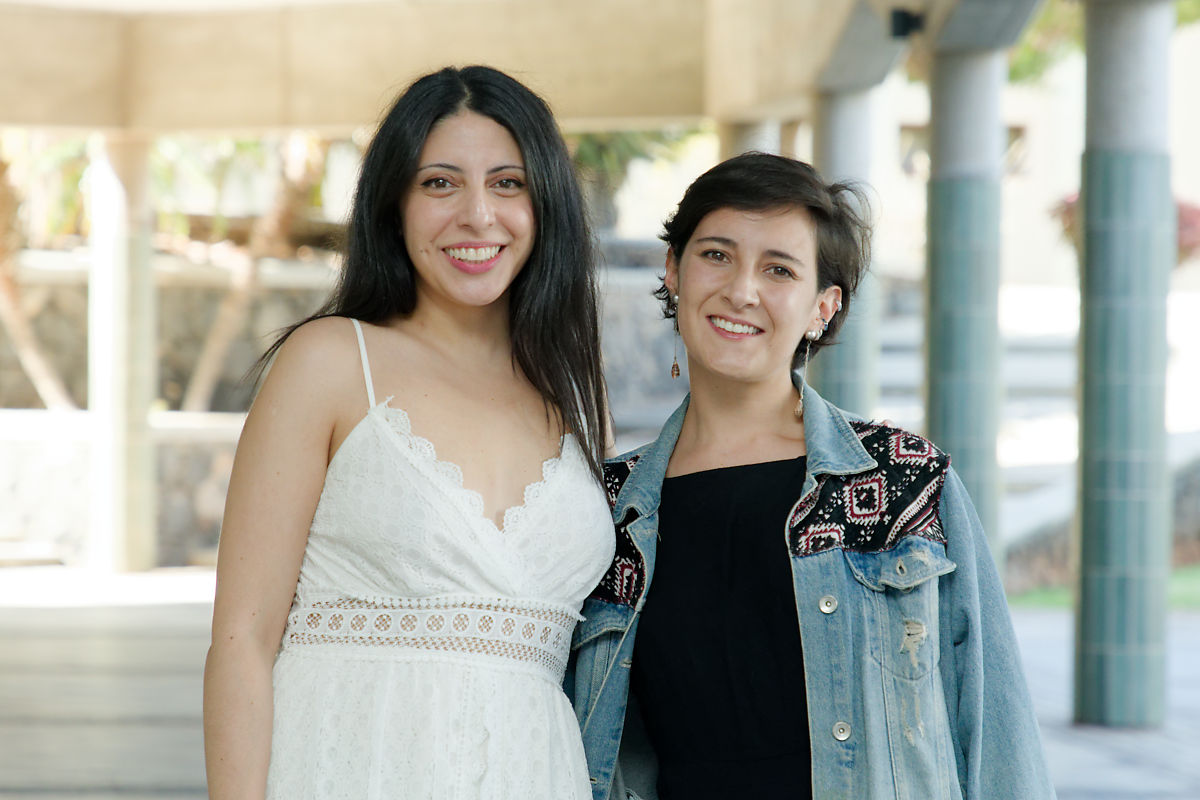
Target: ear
671, 278
828, 303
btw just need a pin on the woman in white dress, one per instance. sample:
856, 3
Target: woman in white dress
415, 514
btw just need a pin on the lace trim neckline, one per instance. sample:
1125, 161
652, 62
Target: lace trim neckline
398, 421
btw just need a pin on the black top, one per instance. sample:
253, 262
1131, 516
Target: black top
717, 668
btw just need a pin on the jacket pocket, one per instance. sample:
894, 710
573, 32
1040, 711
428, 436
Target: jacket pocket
901, 610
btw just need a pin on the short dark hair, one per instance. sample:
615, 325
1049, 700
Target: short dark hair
553, 315
764, 182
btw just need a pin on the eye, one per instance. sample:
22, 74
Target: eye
436, 184
510, 184
780, 271
715, 255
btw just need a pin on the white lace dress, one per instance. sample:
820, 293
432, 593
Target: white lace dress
424, 652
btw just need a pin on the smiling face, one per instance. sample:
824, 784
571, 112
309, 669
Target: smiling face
468, 219
747, 286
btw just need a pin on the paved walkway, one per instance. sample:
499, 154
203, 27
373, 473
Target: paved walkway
100, 685
1094, 763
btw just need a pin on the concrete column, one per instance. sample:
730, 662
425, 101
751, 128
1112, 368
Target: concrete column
738, 138
1129, 248
789, 134
121, 356
796, 140
963, 280
843, 143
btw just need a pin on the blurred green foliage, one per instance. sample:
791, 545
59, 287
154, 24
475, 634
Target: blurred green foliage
1057, 30
606, 155
602, 158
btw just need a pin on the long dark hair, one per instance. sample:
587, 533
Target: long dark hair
553, 318
761, 182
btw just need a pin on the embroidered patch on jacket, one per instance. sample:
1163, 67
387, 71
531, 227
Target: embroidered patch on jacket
873, 511
626, 576
615, 475
622, 583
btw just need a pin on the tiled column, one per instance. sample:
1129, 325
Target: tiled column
963, 280
121, 356
1124, 495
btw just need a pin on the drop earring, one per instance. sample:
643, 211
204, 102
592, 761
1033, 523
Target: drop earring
675, 359
810, 337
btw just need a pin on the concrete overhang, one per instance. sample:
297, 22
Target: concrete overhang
253, 65
864, 53
984, 24
336, 65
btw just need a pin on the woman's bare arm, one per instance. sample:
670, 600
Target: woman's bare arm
277, 478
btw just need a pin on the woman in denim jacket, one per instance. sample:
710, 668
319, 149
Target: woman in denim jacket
816, 611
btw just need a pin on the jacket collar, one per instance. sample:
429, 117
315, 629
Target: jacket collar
833, 449
644, 485
833, 446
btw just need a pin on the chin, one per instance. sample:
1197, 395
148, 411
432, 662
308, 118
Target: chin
740, 373
481, 302
481, 295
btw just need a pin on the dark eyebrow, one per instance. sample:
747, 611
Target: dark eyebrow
783, 256
453, 168
730, 243
439, 165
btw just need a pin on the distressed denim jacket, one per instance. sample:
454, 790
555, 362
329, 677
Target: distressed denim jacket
914, 685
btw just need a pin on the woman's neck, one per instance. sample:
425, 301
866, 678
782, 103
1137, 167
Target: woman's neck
464, 335
733, 422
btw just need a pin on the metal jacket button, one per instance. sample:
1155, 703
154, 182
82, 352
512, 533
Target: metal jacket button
841, 731
828, 604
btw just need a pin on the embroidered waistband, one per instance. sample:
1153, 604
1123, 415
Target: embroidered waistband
532, 634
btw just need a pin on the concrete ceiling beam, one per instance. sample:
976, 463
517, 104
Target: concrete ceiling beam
864, 53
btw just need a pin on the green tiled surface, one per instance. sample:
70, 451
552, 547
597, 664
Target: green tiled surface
962, 337
1124, 495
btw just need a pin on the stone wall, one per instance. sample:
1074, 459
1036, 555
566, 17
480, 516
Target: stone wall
193, 479
638, 347
1048, 557
187, 304
60, 324
185, 314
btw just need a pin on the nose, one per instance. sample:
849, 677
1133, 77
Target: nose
741, 290
477, 211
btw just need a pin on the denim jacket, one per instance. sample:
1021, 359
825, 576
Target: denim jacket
914, 684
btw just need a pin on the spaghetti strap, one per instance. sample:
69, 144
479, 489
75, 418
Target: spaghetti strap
362, 350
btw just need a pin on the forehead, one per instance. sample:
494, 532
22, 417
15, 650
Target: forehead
467, 137
789, 228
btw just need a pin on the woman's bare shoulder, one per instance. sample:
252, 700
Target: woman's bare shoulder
321, 338
319, 358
